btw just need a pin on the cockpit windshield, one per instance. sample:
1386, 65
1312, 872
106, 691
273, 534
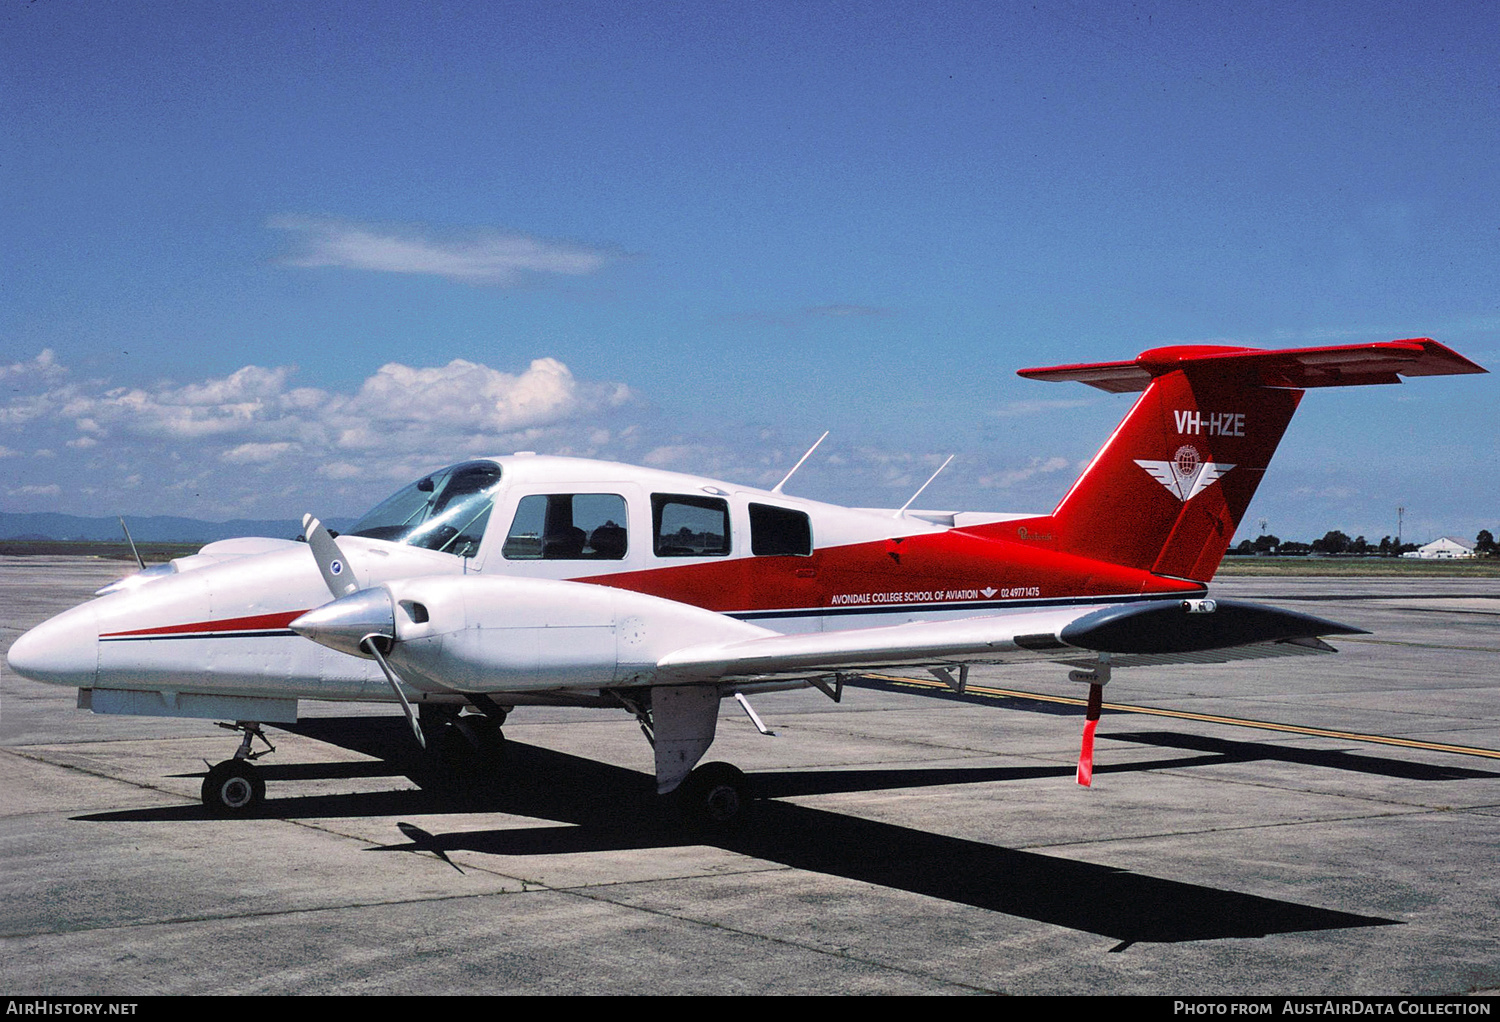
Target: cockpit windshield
446, 511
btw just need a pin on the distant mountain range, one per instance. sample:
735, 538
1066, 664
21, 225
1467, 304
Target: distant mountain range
150, 529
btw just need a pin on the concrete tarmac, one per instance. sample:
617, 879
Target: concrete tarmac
907, 843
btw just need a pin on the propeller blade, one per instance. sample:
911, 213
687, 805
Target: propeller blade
371, 646
331, 561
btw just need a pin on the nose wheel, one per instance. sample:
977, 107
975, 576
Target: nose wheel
233, 788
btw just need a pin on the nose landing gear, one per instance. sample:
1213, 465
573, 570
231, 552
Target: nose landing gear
235, 787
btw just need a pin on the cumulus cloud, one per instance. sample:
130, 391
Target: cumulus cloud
477, 396
44, 365
216, 407
400, 421
256, 454
668, 455
483, 256
339, 470
262, 416
1014, 477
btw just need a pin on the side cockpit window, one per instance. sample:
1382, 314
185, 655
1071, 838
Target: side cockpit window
568, 527
778, 530
689, 526
446, 511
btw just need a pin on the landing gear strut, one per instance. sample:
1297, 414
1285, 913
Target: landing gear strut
235, 787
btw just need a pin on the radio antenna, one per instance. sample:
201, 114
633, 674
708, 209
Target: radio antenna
814, 447
924, 486
136, 552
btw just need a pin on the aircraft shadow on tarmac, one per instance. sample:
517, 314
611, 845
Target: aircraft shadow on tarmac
1225, 751
608, 808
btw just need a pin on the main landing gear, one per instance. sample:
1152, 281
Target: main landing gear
715, 797
459, 741
679, 722
235, 787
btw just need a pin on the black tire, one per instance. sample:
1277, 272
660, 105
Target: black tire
450, 750
715, 797
485, 731
492, 751
233, 788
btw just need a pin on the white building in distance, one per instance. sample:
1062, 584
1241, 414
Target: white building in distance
1446, 548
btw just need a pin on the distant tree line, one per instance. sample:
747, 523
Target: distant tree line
1336, 542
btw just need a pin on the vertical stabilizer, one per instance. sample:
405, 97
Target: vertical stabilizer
1167, 491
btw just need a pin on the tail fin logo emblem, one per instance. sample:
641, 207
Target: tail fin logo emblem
1187, 474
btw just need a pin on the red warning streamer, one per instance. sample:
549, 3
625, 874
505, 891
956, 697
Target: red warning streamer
1086, 754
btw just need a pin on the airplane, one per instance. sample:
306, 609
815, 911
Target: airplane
534, 580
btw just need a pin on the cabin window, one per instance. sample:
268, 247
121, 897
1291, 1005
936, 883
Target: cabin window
779, 530
689, 526
568, 527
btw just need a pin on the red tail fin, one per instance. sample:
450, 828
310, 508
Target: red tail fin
1169, 488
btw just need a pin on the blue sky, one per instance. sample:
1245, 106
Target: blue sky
266, 258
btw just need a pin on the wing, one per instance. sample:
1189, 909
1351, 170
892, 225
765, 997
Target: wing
1136, 634
474, 633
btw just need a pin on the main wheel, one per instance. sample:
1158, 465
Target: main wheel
483, 730
233, 788
715, 796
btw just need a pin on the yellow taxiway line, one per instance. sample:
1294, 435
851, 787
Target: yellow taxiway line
1264, 725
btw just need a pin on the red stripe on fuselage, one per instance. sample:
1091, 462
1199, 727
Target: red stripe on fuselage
950, 568
942, 567
255, 623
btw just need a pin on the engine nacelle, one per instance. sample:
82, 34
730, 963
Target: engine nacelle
475, 633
